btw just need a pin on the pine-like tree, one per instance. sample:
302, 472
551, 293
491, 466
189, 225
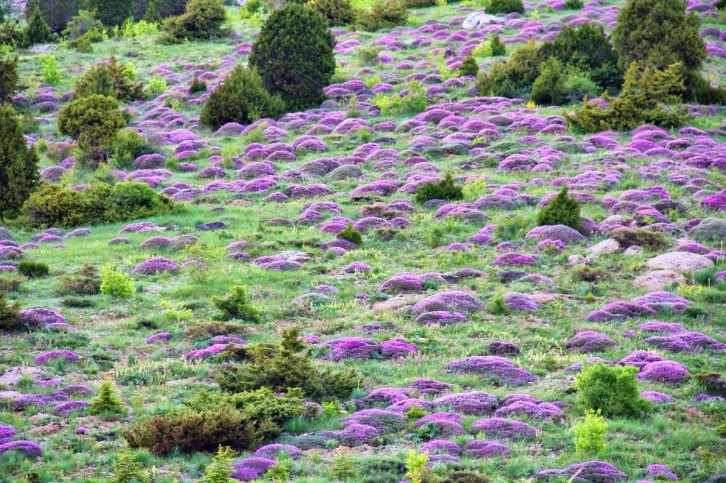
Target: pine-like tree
111, 13
8, 78
37, 31
107, 401
127, 470
561, 210
294, 56
56, 12
498, 47
93, 121
219, 469
18, 164
548, 88
242, 98
469, 66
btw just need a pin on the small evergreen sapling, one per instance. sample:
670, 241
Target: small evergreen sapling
237, 305
219, 469
498, 47
351, 234
469, 66
127, 470
37, 31
441, 190
561, 210
9, 314
591, 433
107, 402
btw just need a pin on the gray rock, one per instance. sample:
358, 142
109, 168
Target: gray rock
477, 20
658, 280
680, 262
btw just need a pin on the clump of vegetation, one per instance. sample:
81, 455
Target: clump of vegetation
382, 15
563, 209
33, 269
591, 433
417, 471
586, 273
57, 13
297, 75
202, 20
109, 79
285, 366
713, 382
514, 77
116, 283
337, 12
628, 237
237, 305
213, 329
127, 470
111, 13
497, 46
611, 390
351, 234
466, 477
343, 467
37, 31
242, 99
18, 164
469, 66
219, 469
128, 146
107, 402
495, 7
413, 102
8, 78
197, 86
498, 306
548, 87
440, 190
92, 121
574, 4
9, 314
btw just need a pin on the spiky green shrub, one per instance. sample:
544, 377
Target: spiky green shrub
612, 390
514, 77
9, 314
495, 7
109, 79
221, 466
498, 47
107, 402
8, 78
37, 30
202, 20
469, 66
549, 87
242, 99
285, 366
444, 189
128, 146
49, 70
56, 12
563, 209
382, 15
297, 75
197, 86
574, 4
18, 164
127, 470
591, 433
92, 121
237, 305
337, 12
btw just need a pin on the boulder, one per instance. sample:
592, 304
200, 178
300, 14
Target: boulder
477, 20
658, 280
680, 262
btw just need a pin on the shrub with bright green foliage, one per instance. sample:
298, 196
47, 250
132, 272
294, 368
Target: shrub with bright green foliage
157, 85
58, 205
642, 101
10, 36
82, 24
18, 164
242, 99
498, 306
297, 75
49, 70
8, 78
265, 404
127, 470
444, 189
579, 87
587, 49
469, 66
56, 12
107, 402
612, 390
350, 234
343, 467
128, 146
116, 283
591, 433
495, 7
549, 87
285, 366
382, 15
33, 269
237, 305
93, 121
513, 78
9, 314
111, 13
574, 4
337, 12
221, 466
37, 30
413, 102
202, 20
563, 209
109, 79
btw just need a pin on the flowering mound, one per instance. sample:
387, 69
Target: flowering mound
351, 348
686, 342
660, 301
154, 266
666, 372
620, 310
590, 341
6, 433
441, 317
493, 367
656, 397
204, 353
66, 355
40, 317
448, 301
405, 283
272, 451
250, 469
520, 302
27, 447
485, 449
446, 428
533, 409
383, 420
587, 472
441, 446
660, 472
474, 402
357, 435
501, 428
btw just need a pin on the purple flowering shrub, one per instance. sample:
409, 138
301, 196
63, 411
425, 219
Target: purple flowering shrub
492, 367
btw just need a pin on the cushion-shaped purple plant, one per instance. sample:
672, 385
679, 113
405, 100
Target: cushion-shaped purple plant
590, 341
403, 283
662, 327
640, 359
27, 447
66, 355
485, 449
494, 367
430, 386
250, 469
686, 342
40, 317
6, 433
446, 428
381, 419
397, 348
272, 451
357, 434
656, 397
65, 408
660, 472
155, 265
441, 317
441, 446
533, 410
560, 233
667, 372
351, 348
385, 396
160, 337
587, 472
520, 302
473, 402
502, 428
448, 301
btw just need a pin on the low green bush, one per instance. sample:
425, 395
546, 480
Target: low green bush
563, 209
128, 146
237, 305
351, 234
202, 20
628, 237
382, 15
495, 7
9, 314
116, 283
612, 390
33, 269
441, 190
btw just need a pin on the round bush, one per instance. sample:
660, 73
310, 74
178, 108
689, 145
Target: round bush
33, 269
505, 6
